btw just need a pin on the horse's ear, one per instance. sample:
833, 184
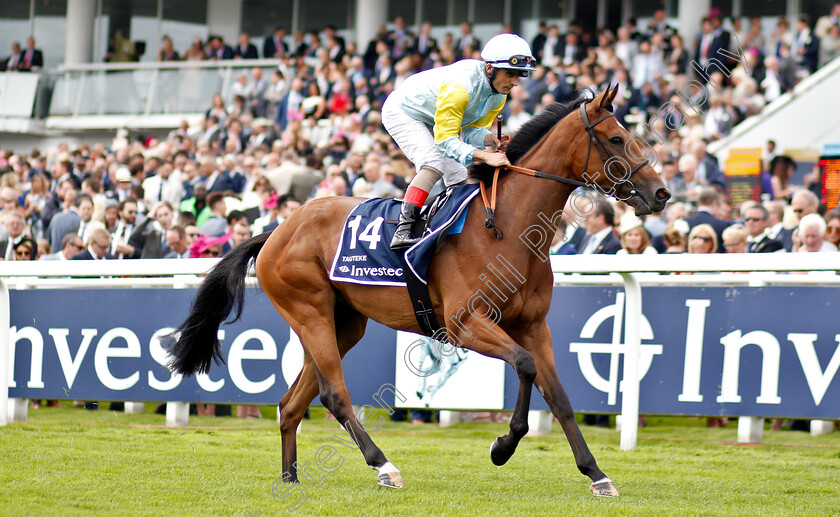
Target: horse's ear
603, 99
613, 93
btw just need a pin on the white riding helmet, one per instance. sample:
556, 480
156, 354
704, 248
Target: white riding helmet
509, 51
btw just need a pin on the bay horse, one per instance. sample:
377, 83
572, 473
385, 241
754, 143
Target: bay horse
293, 262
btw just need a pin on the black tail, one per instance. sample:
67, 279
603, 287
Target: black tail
195, 343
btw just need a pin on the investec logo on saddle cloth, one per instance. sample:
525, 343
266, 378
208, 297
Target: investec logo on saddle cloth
363, 255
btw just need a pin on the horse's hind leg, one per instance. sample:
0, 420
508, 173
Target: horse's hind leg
292, 408
316, 324
350, 329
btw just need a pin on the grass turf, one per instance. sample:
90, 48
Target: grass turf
75, 462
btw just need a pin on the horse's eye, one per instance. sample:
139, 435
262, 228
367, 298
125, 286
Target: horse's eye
616, 140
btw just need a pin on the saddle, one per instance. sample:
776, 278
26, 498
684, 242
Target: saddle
363, 255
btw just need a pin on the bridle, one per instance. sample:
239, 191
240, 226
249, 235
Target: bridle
606, 156
593, 139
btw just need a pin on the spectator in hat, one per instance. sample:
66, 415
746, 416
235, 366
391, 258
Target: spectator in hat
208, 247
123, 182
26, 249
634, 238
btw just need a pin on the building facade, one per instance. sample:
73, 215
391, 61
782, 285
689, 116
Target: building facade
80, 31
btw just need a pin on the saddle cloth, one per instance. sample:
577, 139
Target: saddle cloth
363, 255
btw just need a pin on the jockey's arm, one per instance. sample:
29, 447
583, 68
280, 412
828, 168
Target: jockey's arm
451, 103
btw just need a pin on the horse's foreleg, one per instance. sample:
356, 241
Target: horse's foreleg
552, 390
492, 341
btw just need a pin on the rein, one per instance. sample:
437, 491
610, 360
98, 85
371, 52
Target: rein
490, 205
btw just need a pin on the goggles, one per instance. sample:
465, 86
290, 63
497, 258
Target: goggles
518, 61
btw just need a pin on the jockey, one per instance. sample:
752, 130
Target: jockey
441, 117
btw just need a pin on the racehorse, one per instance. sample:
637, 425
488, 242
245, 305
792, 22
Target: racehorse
292, 265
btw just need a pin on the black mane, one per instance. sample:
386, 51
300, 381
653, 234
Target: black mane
529, 134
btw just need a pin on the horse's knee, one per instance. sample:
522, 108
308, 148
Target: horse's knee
525, 366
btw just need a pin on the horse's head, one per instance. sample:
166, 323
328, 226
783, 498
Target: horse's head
618, 166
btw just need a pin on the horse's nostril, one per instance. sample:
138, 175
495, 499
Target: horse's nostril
663, 195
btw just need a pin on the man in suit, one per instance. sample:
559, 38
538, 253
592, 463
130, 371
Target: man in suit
425, 44
98, 245
120, 246
149, 239
218, 49
216, 223
68, 220
806, 46
71, 245
647, 66
290, 104
600, 239
177, 238
559, 244
287, 205
166, 185
570, 50
708, 202
14, 224
467, 40
87, 224
275, 47
538, 42
708, 44
214, 179
708, 171
776, 229
757, 222
331, 34
31, 58
723, 39
245, 49
13, 61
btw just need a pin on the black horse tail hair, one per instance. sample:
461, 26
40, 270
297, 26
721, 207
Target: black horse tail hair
195, 343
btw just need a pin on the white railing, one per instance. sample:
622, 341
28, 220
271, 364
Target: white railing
110, 95
634, 270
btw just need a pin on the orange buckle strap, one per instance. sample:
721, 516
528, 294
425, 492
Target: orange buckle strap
490, 206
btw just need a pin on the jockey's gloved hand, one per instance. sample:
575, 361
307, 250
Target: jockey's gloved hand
503, 143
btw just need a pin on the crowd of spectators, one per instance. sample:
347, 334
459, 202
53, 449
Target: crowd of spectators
312, 128
23, 59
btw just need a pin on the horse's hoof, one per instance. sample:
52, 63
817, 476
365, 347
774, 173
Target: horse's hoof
497, 455
603, 488
391, 480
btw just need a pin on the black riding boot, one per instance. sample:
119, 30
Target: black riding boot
402, 237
